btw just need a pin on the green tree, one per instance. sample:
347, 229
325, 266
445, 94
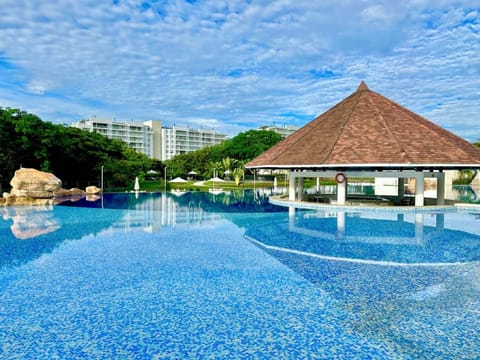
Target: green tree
250, 144
73, 155
225, 156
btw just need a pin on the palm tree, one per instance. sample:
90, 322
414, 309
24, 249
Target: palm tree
238, 174
227, 164
212, 169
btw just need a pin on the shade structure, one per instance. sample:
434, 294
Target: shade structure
369, 131
192, 173
178, 180
369, 135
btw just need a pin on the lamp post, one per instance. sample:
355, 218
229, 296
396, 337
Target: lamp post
165, 182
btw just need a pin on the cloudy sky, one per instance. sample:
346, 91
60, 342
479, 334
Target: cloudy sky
238, 64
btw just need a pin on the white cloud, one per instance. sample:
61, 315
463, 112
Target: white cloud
375, 13
238, 64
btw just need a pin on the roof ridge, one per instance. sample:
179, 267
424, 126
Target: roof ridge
345, 122
385, 124
316, 125
362, 86
428, 125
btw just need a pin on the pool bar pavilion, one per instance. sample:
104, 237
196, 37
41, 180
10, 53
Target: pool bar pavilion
367, 135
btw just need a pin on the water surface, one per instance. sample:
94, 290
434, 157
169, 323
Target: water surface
199, 275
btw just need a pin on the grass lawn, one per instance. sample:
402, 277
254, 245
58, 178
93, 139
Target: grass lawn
159, 185
195, 186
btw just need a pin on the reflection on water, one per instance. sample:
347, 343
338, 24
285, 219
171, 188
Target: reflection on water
374, 236
47, 227
379, 236
31, 222
411, 281
394, 278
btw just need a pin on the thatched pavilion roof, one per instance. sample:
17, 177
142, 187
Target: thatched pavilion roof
368, 131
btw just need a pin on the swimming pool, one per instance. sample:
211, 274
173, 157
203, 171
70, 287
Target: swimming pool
197, 275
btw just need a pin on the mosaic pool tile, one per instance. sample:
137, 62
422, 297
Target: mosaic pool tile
163, 284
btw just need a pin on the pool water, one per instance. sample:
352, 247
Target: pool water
197, 275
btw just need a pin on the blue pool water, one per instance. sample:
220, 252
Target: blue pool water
198, 275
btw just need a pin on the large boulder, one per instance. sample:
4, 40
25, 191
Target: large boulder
34, 184
73, 194
92, 190
31, 187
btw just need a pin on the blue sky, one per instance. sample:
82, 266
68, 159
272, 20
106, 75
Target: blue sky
239, 64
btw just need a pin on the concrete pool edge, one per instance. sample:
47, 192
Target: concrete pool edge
277, 200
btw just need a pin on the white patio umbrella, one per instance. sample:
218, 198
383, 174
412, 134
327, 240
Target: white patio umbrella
192, 173
216, 179
178, 180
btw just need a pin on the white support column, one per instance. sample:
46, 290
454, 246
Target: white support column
291, 186
401, 188
419, 189
318, 184
342, 193
441, 188
300, 189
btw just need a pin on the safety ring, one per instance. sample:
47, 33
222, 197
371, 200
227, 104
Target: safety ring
340, 178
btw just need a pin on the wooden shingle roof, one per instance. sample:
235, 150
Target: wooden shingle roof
367, 130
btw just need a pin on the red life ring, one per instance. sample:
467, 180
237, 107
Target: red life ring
340, 178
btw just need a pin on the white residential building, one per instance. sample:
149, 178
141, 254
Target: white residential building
136, 135
151, 138
180, 140
283, 131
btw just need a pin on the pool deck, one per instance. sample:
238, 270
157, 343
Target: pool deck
282, 201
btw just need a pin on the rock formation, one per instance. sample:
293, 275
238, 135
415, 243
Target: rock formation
93, 190
69, 193
73, 194
32, 187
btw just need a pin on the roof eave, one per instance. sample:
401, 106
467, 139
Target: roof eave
379, 166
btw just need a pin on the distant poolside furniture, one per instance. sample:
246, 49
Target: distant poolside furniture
321, 198
178, 180
192, 174
216, 179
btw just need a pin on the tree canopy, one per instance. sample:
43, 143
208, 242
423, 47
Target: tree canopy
227, 156
75, 156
